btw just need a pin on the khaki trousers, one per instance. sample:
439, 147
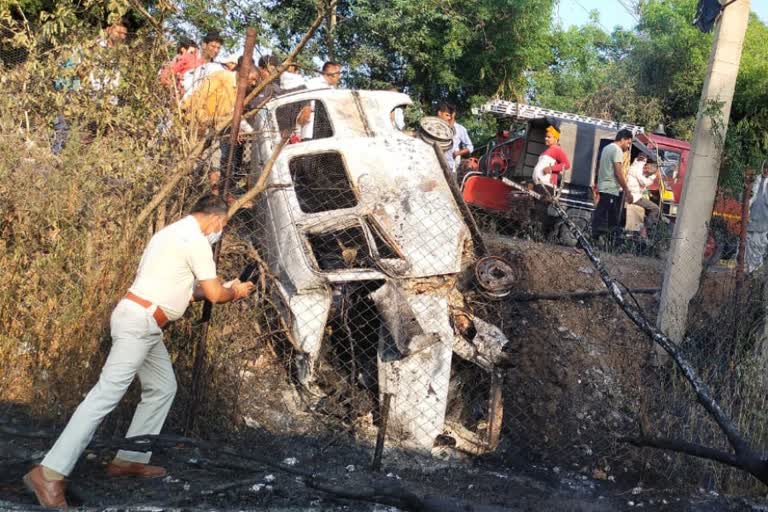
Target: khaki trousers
137, 349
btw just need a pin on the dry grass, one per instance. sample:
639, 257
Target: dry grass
64, 248
62, 219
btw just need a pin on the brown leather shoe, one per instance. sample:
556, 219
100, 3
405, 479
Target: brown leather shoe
50, 493
135, 469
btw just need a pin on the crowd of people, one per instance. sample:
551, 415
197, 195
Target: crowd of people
202, 85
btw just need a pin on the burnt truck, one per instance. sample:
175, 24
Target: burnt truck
582, 138
366, 242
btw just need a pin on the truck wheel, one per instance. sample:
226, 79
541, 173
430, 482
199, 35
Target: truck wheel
582, 219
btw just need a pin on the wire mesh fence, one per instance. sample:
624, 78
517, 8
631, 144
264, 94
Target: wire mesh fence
378, 309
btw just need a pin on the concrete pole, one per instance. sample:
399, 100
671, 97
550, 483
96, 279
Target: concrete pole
684, 264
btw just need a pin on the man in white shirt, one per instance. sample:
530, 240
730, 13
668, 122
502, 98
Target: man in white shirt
209, 50
757, 226
177, 267
330, 77
462, 144
640, 176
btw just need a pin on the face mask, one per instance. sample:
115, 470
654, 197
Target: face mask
213, 237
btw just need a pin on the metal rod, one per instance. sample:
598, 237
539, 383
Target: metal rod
575, 295
382, 434
197, 387
246, 64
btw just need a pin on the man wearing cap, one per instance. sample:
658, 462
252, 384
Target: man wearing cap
177, 267
552, 161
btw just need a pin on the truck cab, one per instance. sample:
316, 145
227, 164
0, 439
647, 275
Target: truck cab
365, 239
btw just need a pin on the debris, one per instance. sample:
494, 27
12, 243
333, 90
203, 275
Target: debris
250, 422
258, 487
433, 129
269, 478
599, 474
290, 461
495, 276
350, 468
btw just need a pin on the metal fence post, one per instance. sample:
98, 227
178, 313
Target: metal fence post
201, 348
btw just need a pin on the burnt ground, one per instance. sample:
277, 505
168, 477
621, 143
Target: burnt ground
581, 380
204, 480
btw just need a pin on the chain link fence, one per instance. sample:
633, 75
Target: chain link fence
384, 306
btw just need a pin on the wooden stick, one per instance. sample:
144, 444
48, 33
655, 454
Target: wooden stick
136, 5
260, 185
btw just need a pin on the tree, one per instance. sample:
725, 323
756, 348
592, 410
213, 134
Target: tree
433, 50
587, 73
670, 61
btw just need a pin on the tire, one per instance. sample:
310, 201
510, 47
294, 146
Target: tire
582, 219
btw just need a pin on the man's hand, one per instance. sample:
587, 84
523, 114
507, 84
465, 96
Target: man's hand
460, 152
217, 293
241, 289
304, 116
628, 196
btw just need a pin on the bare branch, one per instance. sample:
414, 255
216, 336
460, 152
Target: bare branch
687, 448
260, 185
136, 5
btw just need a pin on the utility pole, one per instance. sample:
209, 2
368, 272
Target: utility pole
684, 264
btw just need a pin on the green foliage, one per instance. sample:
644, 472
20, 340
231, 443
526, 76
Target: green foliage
670, 60
656, 74
230, 19
465, 52
433, 50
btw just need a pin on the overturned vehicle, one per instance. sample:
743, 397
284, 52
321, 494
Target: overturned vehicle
367, 242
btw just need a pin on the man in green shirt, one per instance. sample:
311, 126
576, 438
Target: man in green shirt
611, 184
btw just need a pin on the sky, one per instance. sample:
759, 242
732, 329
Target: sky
576, 12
